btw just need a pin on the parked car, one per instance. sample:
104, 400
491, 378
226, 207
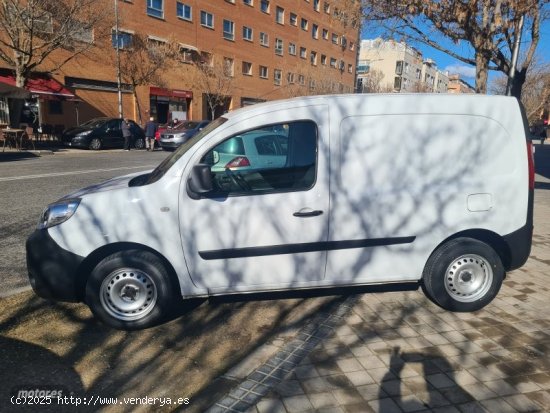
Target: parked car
450, 208
167, 127
102, 133
170, 139
251, 150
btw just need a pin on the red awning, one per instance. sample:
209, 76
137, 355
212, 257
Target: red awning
41, 85
176, 93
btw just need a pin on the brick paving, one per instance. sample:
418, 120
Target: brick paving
398, 352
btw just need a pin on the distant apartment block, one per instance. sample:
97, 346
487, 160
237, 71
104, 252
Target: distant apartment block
391, 66
458, 85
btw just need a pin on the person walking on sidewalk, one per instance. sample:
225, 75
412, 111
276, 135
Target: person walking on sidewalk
151, 128
126, 133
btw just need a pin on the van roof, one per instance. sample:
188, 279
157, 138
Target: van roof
414, 102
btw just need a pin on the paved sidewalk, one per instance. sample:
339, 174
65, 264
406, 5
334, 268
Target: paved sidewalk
398, 352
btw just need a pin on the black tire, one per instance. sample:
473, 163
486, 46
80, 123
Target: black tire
131, 290
463, 275
139, 143
95, 144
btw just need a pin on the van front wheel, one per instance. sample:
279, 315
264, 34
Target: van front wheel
130, 290
463, 275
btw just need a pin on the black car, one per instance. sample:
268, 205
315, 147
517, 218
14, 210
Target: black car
102, 133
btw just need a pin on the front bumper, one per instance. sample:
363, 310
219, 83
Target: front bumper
52, 270
170, 144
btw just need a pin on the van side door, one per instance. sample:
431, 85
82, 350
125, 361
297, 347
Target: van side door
264, 225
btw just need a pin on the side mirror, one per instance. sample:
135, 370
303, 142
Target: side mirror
199, 181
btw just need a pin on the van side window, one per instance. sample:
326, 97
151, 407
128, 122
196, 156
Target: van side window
274, 158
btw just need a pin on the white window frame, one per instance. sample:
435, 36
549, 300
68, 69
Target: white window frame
292, 49
277, 77
248, 33
264, 72
155, 10
264, 39
249, 66
204, 19
184, 7
279, 46
279, 15
229, 35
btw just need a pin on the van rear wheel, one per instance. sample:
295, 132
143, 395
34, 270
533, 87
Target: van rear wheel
130, 290
463, 275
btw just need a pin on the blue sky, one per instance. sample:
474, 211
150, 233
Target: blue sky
446, 62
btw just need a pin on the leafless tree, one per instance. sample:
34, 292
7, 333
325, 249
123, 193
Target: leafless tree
489, 27
46, 34
214, 76
372, 81
143, 63
536, 90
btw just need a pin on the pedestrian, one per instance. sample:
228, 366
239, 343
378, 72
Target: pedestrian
151, 128
126, 133
175, 122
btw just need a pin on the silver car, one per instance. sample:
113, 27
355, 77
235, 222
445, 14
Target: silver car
170, 139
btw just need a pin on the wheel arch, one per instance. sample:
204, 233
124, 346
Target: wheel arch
488, 237
91, 261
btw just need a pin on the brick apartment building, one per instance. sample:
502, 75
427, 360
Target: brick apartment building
273, 46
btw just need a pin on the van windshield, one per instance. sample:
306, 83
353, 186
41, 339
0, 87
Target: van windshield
160, 170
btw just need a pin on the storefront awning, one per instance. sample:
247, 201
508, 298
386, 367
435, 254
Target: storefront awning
174, 93
9, 91
41, 85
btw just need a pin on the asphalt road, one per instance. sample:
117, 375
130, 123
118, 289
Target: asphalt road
28, 183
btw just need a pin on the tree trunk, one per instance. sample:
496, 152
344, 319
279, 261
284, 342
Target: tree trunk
20, 76
140, 121
517, 83
482, 64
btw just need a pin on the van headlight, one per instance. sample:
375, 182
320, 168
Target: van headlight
58, 212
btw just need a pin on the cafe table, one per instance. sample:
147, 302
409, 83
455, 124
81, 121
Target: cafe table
14, 135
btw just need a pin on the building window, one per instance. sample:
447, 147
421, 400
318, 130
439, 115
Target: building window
399, 67
279, 47
293, 19
315, 31
303, 52
183, 11
351, 46
228, 30
277, 75
247, 33
313, 58
290, 77
333, 62
280, 15
83, 34
264, 72
264, 6
124, 40
248, 2
350, 68
292, 49
323, 59
316, 6
264, 39
304, 24
228, 66
206, 59
247, 68
301, 80
207, 19
188, 55
334, 38
155, 8
326, 7
325, 34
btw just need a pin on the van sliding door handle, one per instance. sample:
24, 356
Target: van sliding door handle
310, 213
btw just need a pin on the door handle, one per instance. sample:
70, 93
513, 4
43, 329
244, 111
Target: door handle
310, 213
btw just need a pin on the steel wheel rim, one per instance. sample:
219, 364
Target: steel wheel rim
128, 294
96, 144
468, 278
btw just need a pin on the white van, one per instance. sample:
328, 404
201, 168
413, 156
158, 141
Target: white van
373, 189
